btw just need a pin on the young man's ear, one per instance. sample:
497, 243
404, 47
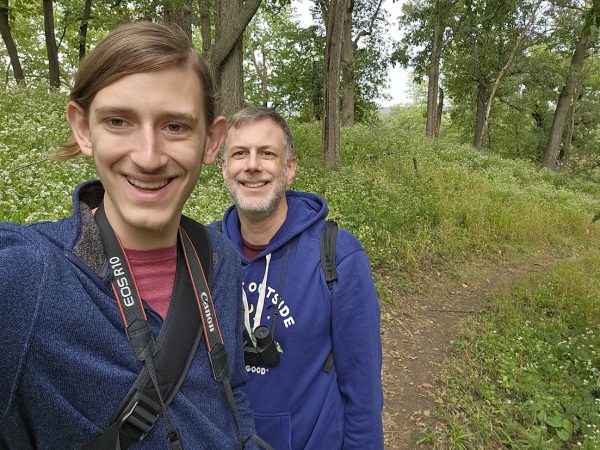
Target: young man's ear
215, 136
79, 125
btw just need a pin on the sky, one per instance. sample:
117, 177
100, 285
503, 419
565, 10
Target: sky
398, 78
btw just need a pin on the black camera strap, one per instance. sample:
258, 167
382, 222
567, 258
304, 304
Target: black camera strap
167, 360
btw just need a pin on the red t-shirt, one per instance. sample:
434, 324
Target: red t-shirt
251, 250
154, 273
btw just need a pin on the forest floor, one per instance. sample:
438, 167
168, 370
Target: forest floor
417, 335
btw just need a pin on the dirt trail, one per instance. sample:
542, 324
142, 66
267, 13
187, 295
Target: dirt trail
418, 334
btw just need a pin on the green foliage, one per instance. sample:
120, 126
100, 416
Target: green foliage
414, 203
417, 21
528, 375
32, 186
27, 27
284, 62
289, 58
478, 38
456, 203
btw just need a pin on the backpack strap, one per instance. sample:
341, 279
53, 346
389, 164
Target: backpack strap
328, 240
140, 409
328, 243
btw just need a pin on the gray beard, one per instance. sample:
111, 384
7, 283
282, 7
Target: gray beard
257, 213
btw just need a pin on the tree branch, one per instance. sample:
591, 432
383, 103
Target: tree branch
230, 35
511, 105
369, 29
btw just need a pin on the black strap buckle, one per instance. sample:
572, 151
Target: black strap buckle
139, 416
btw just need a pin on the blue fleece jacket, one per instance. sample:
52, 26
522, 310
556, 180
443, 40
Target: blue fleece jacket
66, 361
297, 404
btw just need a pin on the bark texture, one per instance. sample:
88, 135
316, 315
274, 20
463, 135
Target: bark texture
9, 42
331, 82
347, 68
226, 56
83, 28
434, 73
179, 13
550, 154
479, 114
205, 31
53, 67
565, 151
440, 111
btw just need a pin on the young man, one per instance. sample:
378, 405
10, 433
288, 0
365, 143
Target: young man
142, 107
318, 384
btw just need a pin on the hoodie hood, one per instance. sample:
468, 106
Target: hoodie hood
304, 210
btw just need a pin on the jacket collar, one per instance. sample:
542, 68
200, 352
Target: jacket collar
89, 246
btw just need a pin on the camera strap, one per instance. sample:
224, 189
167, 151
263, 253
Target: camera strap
166, 360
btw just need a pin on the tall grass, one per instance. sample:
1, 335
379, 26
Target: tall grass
416, 202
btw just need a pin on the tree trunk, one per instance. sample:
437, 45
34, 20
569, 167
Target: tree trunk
53, 68
565, 151
231, 82
11, 47
87, 11
226, 56
205, 25
440, 111
317, 90
230, 73
331, 83
179, 12
347, 68
264, 79
348, 47
479, 115
261, 71
549, 157
434, 73
230, 28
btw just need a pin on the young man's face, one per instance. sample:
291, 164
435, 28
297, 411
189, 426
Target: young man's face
255, 169
148, 137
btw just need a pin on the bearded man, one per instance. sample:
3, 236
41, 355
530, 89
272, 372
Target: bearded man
313, 353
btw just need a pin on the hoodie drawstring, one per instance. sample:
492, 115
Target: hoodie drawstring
261, 300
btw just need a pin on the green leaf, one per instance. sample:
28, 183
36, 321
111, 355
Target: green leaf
555, 421
542, 416
567, 426
563, 435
